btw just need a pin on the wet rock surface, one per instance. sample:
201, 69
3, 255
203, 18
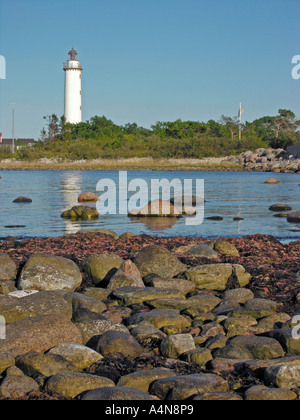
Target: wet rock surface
185, 326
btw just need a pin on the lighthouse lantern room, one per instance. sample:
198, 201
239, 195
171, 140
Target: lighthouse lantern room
73, 69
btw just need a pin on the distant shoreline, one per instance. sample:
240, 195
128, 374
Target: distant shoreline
132, 164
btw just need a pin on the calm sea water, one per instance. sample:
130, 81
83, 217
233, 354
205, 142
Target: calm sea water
227, 194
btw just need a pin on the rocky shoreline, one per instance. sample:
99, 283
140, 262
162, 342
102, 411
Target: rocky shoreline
261, 160
94, 316
267, 160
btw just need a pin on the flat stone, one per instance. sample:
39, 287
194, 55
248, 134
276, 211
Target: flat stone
81, 301
142, 379
40, 333
160, 318
240, 295
204, 251
195, 305
183, 387
182, 285
96, 293
130, 295
262, 393
97, 327
218, 396
280, 207
77, 354
34, 364
261, 304
71, 384
216, 276
25, 200
98, 231
116, 394
31, 305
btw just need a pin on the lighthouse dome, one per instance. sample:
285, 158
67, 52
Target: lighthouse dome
73, 55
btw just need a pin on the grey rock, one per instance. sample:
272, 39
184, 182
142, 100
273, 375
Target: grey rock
48, 272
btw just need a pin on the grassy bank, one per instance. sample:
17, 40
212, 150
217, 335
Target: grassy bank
217, 164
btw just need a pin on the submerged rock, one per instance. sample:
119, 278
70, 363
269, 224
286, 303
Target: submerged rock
81, 212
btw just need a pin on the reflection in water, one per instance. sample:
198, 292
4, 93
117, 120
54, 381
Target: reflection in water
70, 188
156, 223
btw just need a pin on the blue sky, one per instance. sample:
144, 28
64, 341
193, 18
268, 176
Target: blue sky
149, 60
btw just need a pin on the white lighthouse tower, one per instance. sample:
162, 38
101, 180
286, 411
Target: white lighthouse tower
73, 69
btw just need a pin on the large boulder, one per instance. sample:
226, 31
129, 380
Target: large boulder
81, 213
156, 259
49, 272
40, 303
40, 333
100, 268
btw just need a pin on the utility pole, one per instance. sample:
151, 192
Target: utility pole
13, 129
241, 111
